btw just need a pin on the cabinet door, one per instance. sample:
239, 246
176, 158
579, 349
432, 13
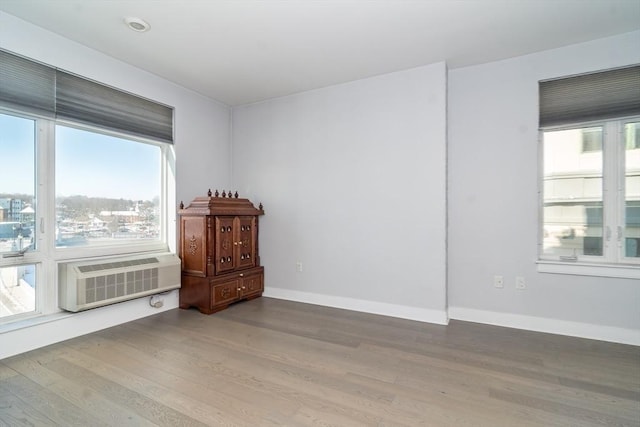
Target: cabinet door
246, 241
225, 249
193, 245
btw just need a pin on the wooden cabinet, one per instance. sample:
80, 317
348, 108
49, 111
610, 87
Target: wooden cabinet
219, 252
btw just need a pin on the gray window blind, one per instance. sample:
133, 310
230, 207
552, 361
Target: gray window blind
85, 101
35, 88
596, 96
26, 85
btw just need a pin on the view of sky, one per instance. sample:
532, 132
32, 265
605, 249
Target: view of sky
87, 163
16, 155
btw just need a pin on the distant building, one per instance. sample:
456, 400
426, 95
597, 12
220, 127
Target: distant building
128, 216
12, 208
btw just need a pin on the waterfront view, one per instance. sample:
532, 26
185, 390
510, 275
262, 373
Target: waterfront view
83, 221
80, 220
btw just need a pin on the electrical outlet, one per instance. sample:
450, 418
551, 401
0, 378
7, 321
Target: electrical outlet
299, 266
520, 283
498, 282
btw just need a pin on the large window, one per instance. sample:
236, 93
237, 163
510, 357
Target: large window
85, 171
590, 172
119, 203
590, 207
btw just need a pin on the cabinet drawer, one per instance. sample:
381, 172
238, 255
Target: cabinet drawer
225, 292
252, 284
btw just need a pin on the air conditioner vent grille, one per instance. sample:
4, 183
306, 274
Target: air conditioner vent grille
118, 264
111, 286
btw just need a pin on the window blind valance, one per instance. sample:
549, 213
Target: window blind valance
31, 87
88, 102
27, 86
595, 96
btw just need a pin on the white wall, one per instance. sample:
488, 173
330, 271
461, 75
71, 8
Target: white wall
202, 146
353, 179
493, 212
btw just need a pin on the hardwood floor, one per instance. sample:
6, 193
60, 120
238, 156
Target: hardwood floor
269, 362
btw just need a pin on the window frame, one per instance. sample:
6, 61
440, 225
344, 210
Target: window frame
46, 255
66, 253
612, 263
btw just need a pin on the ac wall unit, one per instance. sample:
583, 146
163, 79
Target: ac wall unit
94, 283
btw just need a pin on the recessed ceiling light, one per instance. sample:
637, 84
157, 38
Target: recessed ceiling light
137, 24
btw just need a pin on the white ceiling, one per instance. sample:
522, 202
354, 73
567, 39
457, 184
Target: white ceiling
241, 51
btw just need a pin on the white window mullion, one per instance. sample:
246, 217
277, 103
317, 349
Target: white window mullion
611, 184
168, 199
46, 218
620, 193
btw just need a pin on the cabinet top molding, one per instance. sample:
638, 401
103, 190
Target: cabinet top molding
216, 205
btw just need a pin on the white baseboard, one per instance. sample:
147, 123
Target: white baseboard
60, 327
39, 332
373, 307
552, 326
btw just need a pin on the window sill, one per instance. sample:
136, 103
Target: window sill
34, 320
589, 269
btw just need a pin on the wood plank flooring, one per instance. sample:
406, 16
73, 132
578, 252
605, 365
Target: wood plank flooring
269, 362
